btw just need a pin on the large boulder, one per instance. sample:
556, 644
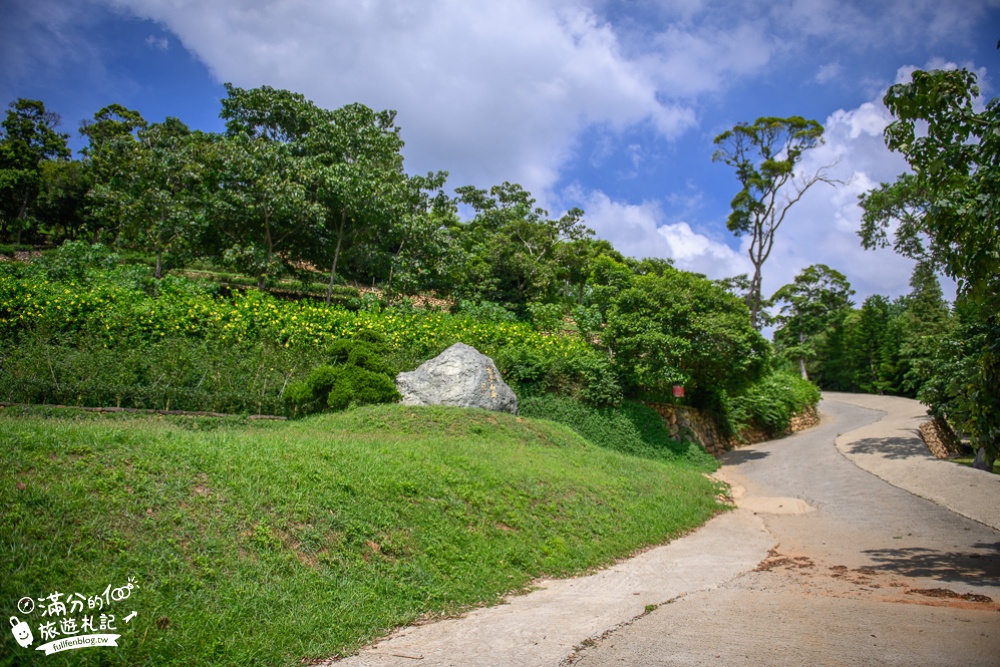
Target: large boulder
459, 376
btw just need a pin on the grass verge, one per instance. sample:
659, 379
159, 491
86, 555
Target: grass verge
967, 461
631, 428
279, 543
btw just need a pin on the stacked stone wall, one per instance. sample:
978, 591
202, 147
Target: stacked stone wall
688, 423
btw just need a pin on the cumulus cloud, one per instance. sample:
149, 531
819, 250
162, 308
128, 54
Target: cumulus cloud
828, 72
822, 227
641, 230
495, 91
37, 37
154, 42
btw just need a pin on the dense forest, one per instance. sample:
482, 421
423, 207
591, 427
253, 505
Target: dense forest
296, 198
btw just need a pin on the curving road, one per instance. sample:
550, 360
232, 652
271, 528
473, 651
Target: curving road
862, 571
827, 561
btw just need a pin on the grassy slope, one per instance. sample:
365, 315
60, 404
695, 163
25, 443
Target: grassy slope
270, 543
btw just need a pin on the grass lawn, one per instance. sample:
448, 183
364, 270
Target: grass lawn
967, 461
278, 543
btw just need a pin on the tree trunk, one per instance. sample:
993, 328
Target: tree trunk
753, 296
802, 357
984, 459
392, 269
159, 263
336, 255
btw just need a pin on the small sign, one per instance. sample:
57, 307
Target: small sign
678, 391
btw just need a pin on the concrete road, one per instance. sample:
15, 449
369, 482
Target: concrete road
862, 571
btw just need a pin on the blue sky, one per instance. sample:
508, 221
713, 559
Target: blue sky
607, 105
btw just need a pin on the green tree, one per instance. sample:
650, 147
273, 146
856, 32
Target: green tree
62, 198
268, 219
28, 140
421, 251
810, 306
159, 194
765, 155
355, 154
513, 246
680, 328
947, 211
265, 199
872, 342
926, 324
112, 138
865, 338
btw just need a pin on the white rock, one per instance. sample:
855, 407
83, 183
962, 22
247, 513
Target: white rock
460, 376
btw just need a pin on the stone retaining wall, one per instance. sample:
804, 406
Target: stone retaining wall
684, 422
940, 438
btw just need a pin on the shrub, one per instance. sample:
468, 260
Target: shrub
71, 261
254, 344
770, 403
586, 375
588, 320
631, 428
357, 376
486, 311
358, 386
546, 316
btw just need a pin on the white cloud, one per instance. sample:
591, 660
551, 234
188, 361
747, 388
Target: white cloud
896, 23
493, 91
154, 42
822, 227
640, 230
828, 72
41, 36
688, 62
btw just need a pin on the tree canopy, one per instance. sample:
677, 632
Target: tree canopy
765, 155
28, 140
947, 212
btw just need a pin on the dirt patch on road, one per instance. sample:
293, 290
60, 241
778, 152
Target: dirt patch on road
799, 572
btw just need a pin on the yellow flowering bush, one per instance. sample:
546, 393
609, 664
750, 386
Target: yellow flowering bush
116, 316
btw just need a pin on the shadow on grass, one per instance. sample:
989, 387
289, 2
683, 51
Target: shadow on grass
738, 456
980, 567
891, 448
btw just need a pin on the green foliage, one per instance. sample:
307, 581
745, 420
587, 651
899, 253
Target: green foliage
159, 189
947, 212
28, 141
486, 310
925, 324
71, 262
679, 328
270, 342
173, 374
815, 302
588, 320
764, 156
770, 403
587, 375
513, 247
630, 428
357, 375
546, 316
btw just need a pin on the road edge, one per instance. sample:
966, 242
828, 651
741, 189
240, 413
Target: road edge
892, 450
